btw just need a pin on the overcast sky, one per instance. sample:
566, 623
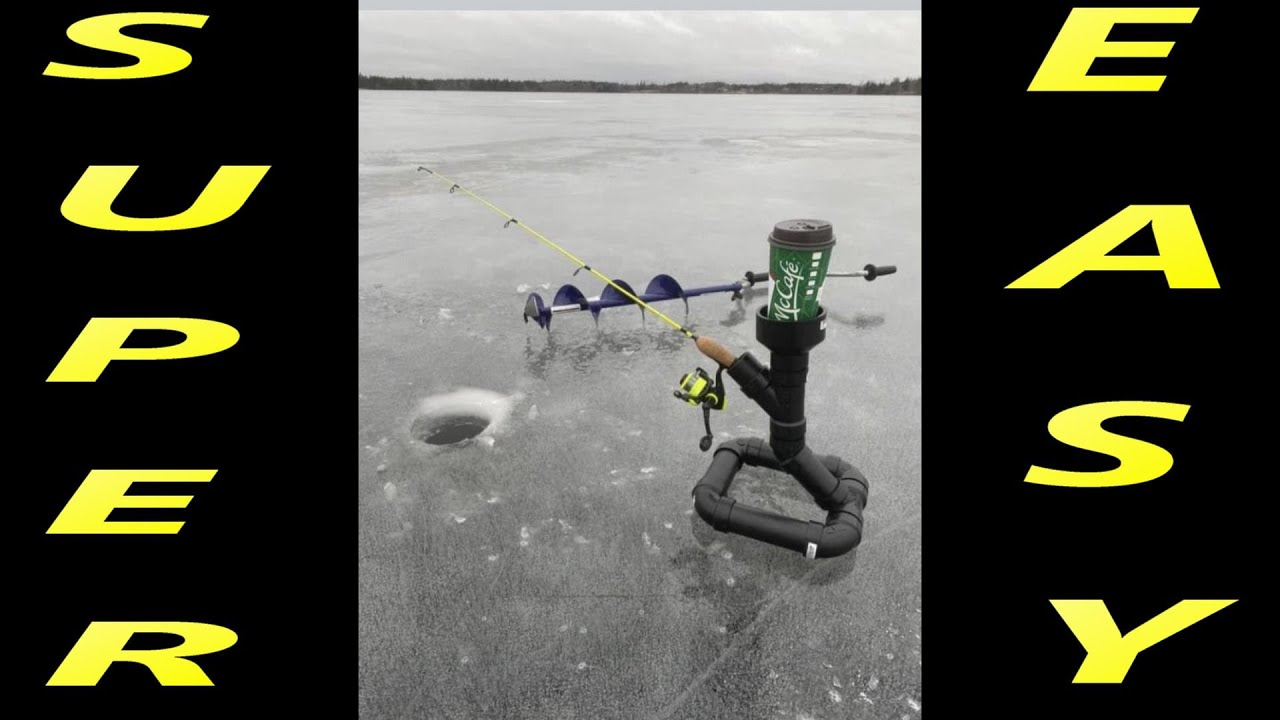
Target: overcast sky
643, 46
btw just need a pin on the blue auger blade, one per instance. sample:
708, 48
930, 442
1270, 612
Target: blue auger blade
570, 295
665, 287
541, 314
662, 287
610, 297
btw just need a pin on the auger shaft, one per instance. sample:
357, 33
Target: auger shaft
662, 287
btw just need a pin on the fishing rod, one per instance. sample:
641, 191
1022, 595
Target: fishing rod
707, 346
661, 288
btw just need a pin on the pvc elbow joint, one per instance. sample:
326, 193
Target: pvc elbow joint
753, 378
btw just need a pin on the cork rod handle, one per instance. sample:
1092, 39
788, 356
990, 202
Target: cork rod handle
714, 350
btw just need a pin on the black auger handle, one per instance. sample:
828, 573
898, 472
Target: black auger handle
875, 271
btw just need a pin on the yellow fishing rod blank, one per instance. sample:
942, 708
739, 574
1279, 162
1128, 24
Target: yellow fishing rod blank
511, 220
707, 346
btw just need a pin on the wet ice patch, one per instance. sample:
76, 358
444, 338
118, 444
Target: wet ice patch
648, 544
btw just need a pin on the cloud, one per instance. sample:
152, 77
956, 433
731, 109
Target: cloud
696, 46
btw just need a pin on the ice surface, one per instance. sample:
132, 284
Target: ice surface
636, 185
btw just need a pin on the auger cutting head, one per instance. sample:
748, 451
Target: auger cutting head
539, 313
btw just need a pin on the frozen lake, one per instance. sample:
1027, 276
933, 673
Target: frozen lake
552, 568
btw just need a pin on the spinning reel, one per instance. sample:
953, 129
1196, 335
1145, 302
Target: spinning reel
697, 388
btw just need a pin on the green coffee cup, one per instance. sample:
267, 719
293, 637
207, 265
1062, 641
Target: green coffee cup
799, 254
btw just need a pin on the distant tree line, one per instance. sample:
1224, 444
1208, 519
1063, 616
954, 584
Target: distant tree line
897, 86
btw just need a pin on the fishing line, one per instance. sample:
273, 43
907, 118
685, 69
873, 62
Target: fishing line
511, 220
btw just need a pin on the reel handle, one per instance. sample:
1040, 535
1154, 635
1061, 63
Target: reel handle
757, 277
714, 350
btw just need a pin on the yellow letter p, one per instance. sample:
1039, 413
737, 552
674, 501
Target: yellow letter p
103, 339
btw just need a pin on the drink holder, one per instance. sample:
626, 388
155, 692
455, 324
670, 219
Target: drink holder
836, 486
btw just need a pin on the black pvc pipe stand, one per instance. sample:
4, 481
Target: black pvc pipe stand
836, 486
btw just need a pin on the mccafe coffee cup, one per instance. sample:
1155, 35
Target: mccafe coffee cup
799, 254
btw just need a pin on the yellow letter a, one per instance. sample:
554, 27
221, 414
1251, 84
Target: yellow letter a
1181, 252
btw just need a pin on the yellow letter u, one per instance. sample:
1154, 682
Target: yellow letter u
89, 202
